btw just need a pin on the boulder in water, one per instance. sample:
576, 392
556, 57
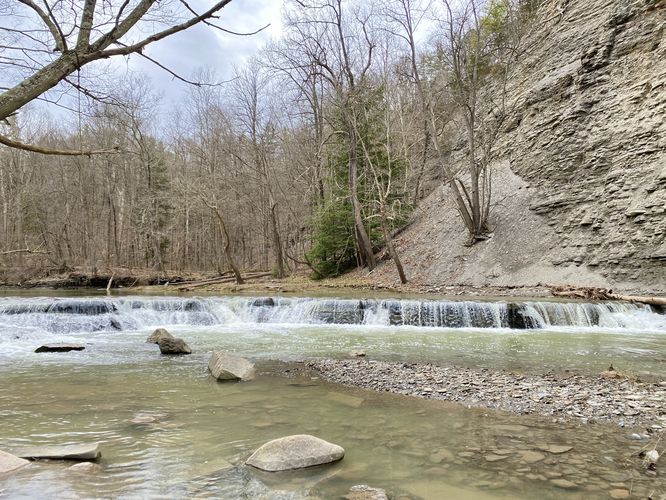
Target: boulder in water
224, 366
61, 347
295, 452
173, 346
66, 452
10, 463
158, 334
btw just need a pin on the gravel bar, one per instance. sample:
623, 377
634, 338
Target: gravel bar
608, 397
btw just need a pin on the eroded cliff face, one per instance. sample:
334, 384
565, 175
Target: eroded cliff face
580, 181
590, 135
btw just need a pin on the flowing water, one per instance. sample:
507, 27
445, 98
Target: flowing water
204, 430
522, 336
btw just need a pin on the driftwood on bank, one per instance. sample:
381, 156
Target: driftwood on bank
24, 250
216, 281
593, 293
199, 282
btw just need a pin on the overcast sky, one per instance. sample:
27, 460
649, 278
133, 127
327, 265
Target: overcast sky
202, 46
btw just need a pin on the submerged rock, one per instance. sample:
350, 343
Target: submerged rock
565, 484
159, 334
531, 457
295, 452
10, 463
66, 452
365, 492
173, 346
556, 449
345, 399
61, 347
84, 467
147, 418
357, 354
224, 366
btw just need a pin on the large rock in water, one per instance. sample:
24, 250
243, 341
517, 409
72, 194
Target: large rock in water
66, 452
159, 334
224, 366
9, 462
295, 452
60, 348
173, 346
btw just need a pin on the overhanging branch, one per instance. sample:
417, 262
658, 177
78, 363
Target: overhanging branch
56, 152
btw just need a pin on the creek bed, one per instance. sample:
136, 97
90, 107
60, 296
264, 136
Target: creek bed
204, 430
411, 447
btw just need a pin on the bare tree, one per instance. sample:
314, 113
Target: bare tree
339, 48
249, 96
59, 38
473, 59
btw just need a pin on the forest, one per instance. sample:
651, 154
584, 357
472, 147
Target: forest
313, 155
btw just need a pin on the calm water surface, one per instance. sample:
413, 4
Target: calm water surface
421, 449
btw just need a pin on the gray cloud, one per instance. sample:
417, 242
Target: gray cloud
204, 47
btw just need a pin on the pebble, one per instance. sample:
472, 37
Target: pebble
652, 456
619, 493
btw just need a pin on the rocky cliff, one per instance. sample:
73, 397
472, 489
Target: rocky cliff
580, 184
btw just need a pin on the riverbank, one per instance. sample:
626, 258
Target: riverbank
610, 397
147, 280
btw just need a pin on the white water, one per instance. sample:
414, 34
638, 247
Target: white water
74, 315
580, 336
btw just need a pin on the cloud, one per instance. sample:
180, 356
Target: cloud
204, 47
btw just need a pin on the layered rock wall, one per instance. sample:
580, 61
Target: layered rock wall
590, 134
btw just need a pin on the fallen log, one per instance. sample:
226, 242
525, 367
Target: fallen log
593, 293
653, 301
219, 281
199, 281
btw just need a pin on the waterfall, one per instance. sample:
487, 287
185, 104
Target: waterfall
135, 313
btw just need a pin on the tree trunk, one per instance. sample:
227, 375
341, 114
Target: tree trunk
391, 248
364, 244
277, 242
227, 245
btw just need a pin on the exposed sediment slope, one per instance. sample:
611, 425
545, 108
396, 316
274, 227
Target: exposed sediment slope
580, 184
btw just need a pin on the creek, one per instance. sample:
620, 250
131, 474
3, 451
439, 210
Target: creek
203, 430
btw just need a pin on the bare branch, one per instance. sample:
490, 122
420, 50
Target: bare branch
56, 152
59, 40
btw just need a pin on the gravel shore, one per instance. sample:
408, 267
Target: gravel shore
608, 397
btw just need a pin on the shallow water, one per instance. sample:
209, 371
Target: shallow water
205, 430
423, 449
